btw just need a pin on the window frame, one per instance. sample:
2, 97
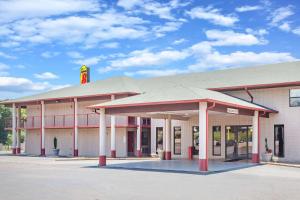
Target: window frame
213, 146
283, 153
293, 97
157, 128
174, 140
193, 138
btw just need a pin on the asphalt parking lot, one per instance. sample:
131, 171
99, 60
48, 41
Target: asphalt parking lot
49, 179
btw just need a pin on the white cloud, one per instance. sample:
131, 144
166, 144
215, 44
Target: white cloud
89, 61
48, 54
213, 15
3, 66
296, 31
46, 76
23, 85
144, 58
285, 27
161, 30
110, 45
4, 55
18, 9
231, 38
280, 14
129, 4
150, 7
74, 54
179, 41
212, 59
87, 30
158, 72
259, 32
247, 8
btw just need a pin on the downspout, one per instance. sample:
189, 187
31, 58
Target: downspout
250, 95
212, 106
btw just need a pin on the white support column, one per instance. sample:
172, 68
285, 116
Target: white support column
14, 129
102, 138
113, 133
255, 138
203, 136
18, 148
75, 127
168, 126
138, 137
43, 128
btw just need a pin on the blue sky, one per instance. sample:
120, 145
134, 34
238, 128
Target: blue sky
44, 43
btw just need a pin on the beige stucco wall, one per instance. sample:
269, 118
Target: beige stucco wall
88, 138
276, 98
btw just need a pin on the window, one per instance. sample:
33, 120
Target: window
177, 140
159, 138
195, 140
146, 121
279, 140
294, 97
131, 120
216, 140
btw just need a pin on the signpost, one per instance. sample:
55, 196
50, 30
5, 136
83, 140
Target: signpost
84, 74
232, 111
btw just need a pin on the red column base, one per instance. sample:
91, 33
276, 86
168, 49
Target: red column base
113, 153
203, 165
168, 155
139, 153
43, 152
14, 151
75, 152
255, 158
18, 150
102, 161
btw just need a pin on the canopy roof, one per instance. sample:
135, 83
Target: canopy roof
117, 85
180, 94
265, 75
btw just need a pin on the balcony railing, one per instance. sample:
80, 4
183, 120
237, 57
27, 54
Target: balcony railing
90, 120
59, 121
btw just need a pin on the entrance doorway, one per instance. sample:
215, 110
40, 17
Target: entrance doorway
238, 142
146, 141
130, 143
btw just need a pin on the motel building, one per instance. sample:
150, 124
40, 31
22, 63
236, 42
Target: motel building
224, 115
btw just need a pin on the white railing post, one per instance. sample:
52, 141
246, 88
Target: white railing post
102, 138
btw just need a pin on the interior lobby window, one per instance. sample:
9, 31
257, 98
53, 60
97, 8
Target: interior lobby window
216, 140
279, 140
294, 97
159, 138
177, 140
195, 140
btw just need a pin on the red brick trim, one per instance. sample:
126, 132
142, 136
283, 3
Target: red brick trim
113, 153
102, 161
75, 152
203, 164
43, 152
168, 155
255, 158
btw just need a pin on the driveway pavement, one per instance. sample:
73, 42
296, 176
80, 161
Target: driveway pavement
30, 178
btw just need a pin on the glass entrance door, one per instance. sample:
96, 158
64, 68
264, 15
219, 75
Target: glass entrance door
238, 142
146, 141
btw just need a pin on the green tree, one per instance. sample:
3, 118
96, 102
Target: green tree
5, 114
